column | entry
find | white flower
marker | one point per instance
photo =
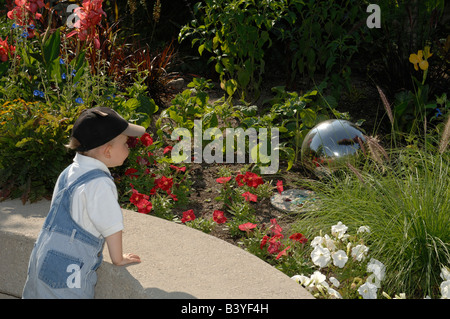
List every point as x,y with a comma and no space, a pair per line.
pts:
317,278
338,230
374,280
316,241
339,258
445,273
368,291
363,229
334,282
302,280
320,256
401,295
445,289
324,241
377,268
359,252
328,242
334,294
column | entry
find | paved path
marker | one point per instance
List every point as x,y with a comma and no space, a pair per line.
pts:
177,261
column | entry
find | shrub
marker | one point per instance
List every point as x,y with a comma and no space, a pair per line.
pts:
32,152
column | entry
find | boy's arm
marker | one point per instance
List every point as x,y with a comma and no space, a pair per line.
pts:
114,243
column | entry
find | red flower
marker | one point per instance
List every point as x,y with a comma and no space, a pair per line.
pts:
283,252
239,179
167,149
218,217
274,244
164,183
132,141
275,228
223,180
144,206
136,197
250,197
264,241
253,179
146,139
247,227
174,197
131,172
280,186
188,216
298,237
6,50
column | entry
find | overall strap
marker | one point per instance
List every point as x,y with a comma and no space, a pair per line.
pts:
86,177
63,198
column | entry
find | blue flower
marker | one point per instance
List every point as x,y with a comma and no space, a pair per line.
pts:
438,113
31,27
74,72
38,93
61,61
79,100
63,76
24,34
14,26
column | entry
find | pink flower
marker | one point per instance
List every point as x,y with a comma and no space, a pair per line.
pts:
89,14
25,12
188,216
218,217
250,197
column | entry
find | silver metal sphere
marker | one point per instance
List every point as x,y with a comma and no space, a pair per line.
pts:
330,145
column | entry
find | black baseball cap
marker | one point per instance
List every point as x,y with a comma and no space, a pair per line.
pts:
99,125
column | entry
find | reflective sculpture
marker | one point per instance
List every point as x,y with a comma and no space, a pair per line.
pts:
330,145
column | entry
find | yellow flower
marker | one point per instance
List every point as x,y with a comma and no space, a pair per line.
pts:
420,59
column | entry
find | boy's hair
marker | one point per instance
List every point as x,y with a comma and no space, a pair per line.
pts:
73,145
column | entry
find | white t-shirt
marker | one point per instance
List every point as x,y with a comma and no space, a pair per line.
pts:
94,206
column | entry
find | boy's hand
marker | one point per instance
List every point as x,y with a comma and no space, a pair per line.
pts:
128,259
114,243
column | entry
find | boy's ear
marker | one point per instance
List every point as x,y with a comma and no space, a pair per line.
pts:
107,151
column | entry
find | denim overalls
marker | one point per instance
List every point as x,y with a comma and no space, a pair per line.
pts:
65,257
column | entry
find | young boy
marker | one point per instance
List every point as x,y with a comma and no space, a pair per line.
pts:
84,211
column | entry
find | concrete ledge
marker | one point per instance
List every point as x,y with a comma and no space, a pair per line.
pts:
177,261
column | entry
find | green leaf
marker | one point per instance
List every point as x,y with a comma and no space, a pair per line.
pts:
51,47
244,77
